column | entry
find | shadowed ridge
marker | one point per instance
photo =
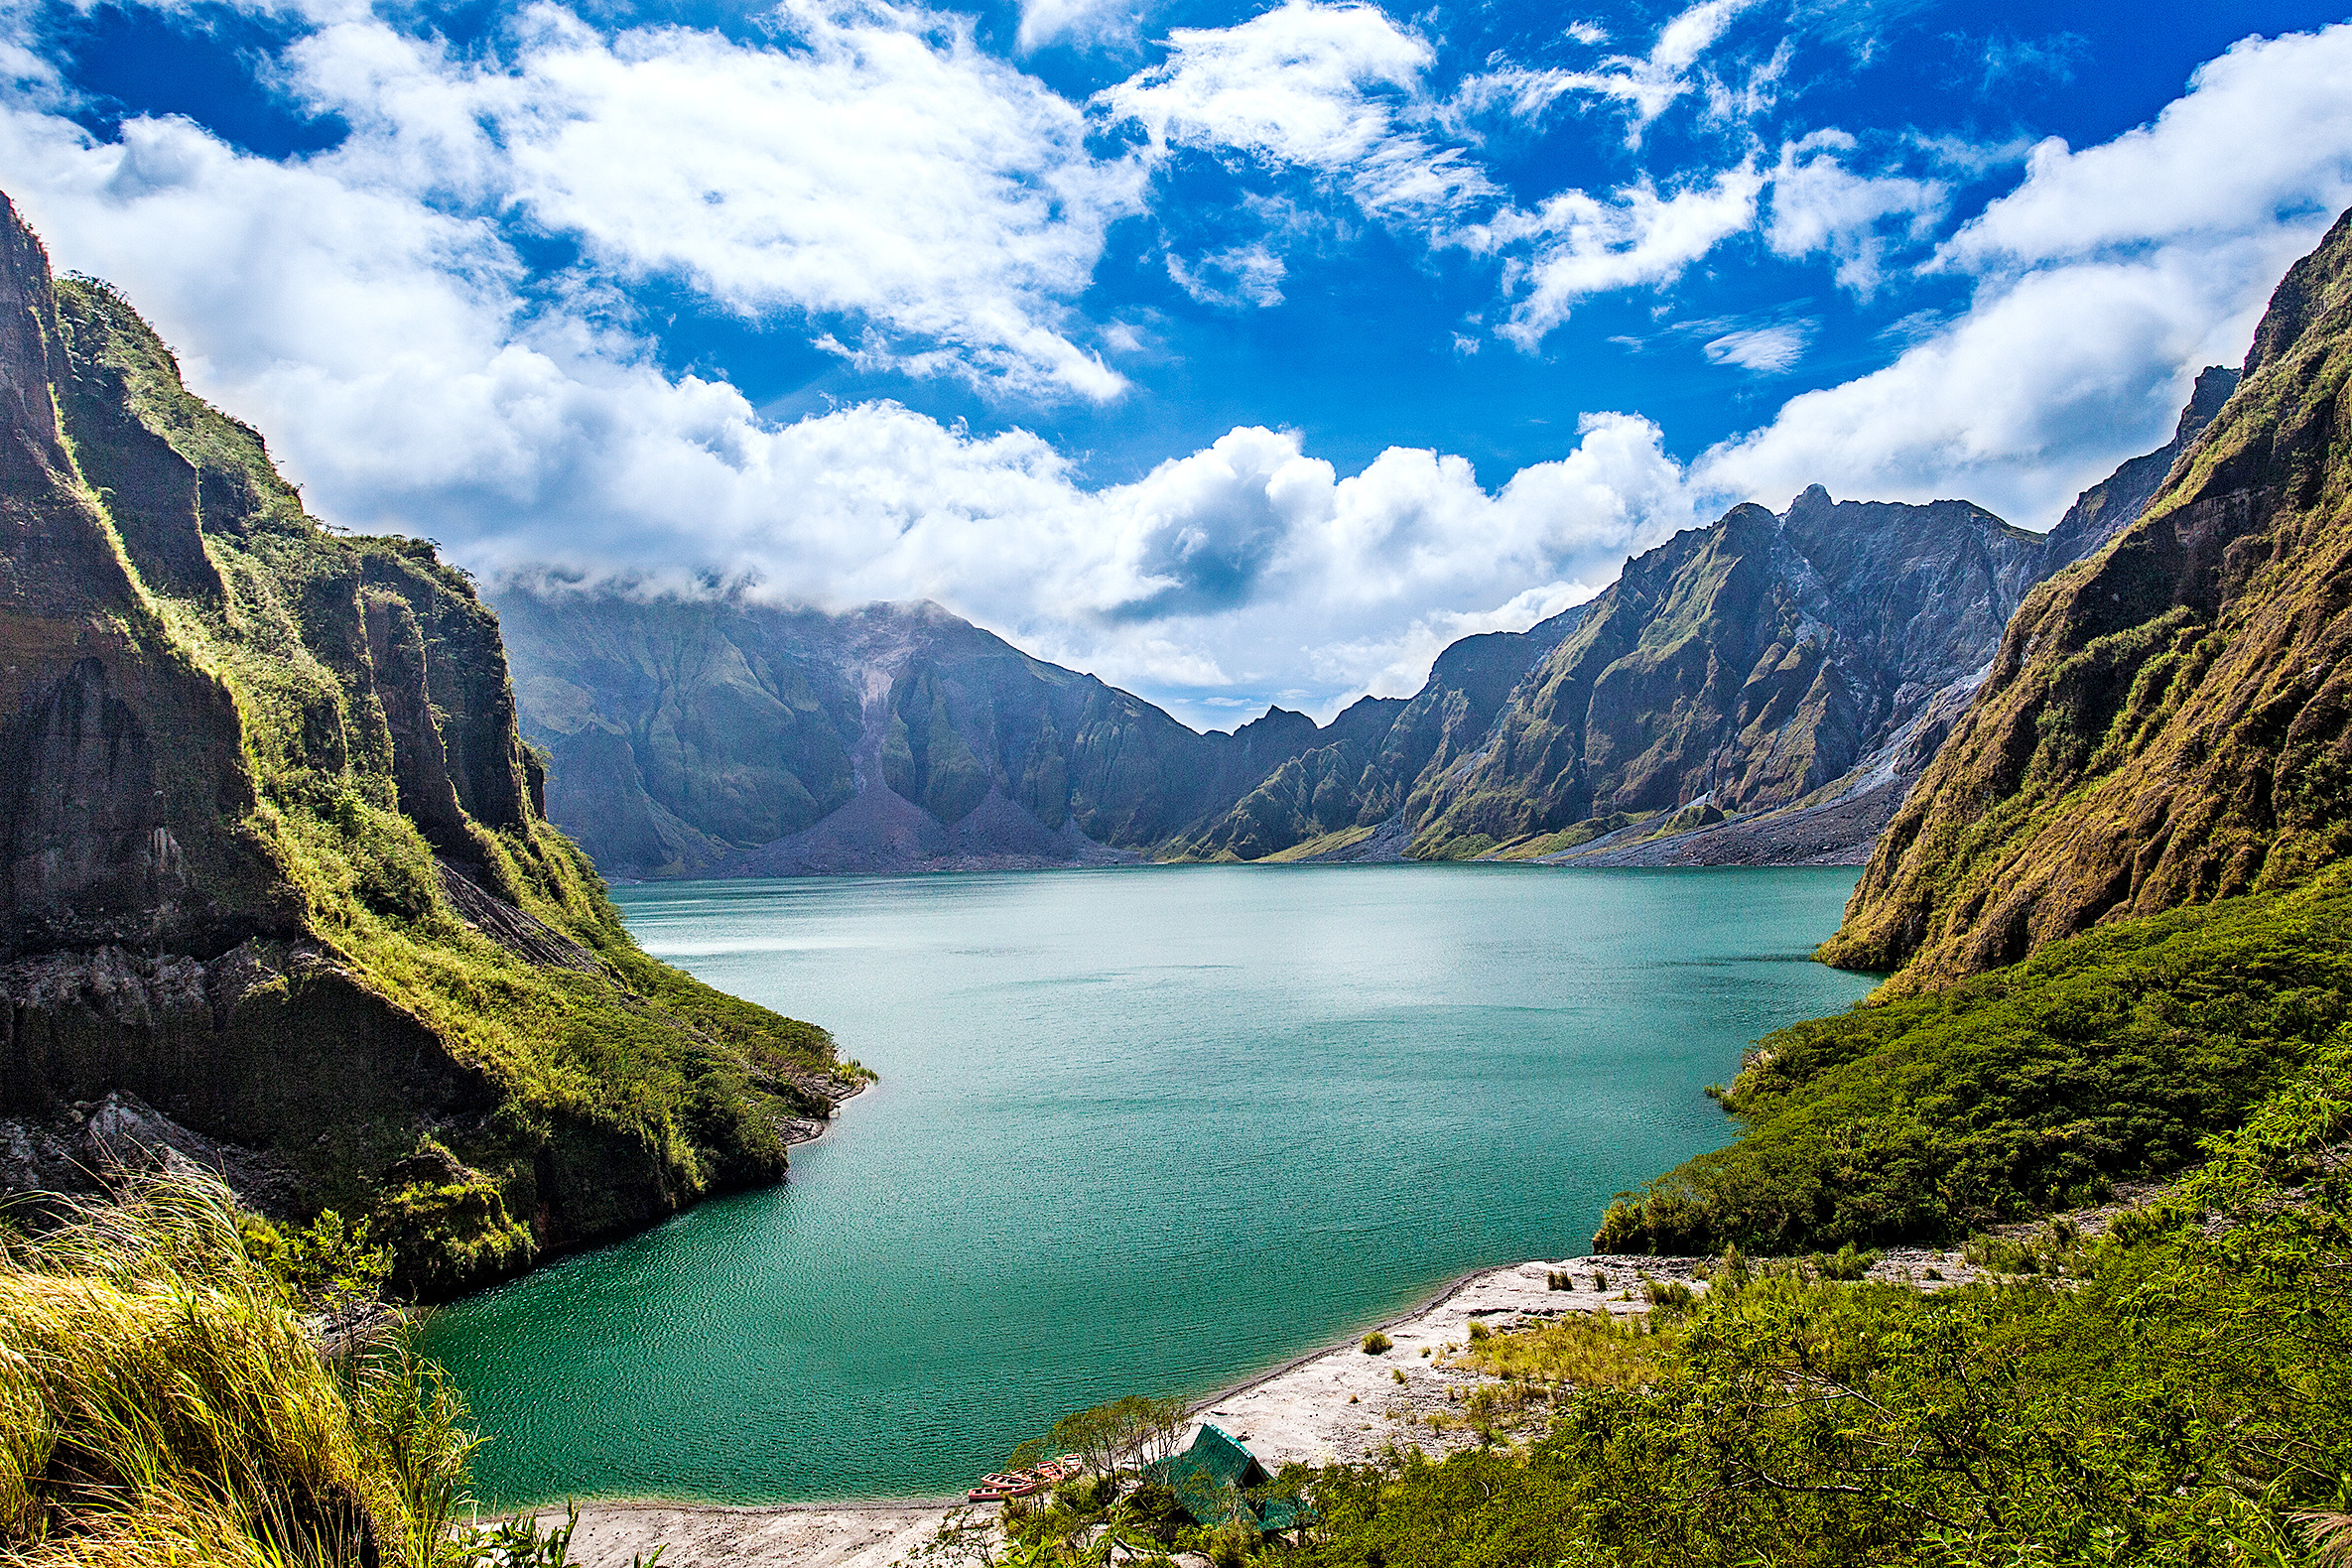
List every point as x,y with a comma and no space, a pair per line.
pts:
2170,721
272,862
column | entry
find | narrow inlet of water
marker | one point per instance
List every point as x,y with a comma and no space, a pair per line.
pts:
1142,1131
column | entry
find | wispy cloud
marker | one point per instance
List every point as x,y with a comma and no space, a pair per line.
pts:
1585,245
1767,351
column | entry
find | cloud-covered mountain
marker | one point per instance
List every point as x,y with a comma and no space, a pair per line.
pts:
1793,672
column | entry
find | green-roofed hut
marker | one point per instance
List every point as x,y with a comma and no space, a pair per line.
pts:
1208,1477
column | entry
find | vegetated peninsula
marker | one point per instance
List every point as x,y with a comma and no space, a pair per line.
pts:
279,892
1763,691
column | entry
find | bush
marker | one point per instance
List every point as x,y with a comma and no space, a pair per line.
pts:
2106,1056
1376,1344
160,1403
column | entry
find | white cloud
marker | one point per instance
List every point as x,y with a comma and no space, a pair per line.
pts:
1308,84
2105,279
1586,245
1240,275
1399,664
1645,85
408,382
1077,22
1819,205
1767,351
877,170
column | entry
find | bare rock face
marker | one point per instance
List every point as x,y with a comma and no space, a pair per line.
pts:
2115,502
2168,720
1746,666
722,735
274,885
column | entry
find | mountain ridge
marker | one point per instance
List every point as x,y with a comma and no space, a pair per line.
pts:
2166,721
1791,673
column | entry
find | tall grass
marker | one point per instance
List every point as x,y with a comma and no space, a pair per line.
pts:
162,1403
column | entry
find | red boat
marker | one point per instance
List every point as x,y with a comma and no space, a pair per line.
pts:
998,1488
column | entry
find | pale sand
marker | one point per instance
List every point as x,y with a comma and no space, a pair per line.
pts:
1300,1412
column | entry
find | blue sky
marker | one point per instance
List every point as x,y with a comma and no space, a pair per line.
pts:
1237,353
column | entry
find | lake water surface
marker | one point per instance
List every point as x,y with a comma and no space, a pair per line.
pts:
1142,1131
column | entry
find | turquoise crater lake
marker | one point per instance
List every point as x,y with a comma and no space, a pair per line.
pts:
1144,1131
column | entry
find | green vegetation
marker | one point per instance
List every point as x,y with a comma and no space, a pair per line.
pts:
1376,1344
164,1405
479,1083
165,1402
2102,1058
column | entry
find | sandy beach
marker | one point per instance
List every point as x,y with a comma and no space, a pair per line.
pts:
1337,1404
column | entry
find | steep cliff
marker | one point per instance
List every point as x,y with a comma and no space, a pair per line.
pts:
720,734
272,857
1738,668
2170,721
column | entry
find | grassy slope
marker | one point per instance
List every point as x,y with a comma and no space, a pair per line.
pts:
2109,1055
160,1403
2167,721
637,1057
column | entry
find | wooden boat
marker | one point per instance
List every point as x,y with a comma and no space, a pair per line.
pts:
998,1488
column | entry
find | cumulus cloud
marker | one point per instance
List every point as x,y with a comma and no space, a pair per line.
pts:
409,381
2103,281
1311,86
928,209
873,172
1585,245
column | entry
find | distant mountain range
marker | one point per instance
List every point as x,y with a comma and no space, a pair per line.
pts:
1760,691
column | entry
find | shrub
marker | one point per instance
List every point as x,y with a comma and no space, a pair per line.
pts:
1376,1344
160,1402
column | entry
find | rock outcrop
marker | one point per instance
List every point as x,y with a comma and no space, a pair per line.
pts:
724,735
272,865
2170,719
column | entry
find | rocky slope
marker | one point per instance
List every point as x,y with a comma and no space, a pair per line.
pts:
1765,691
274,877
2169,720
1738,668
724,735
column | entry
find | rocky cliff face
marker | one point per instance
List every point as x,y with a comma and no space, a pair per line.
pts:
2169,720
272,865
1738,668
2115,502
722,735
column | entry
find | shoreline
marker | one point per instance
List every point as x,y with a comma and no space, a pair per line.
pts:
1332,1404
1328,1403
